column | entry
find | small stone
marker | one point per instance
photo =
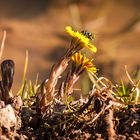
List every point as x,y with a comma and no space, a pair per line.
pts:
7,117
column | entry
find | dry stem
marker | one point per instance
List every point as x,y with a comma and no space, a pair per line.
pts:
110,125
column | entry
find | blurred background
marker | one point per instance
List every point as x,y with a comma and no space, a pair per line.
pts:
39,26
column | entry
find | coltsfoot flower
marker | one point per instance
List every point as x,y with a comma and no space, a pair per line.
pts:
80,40
81,63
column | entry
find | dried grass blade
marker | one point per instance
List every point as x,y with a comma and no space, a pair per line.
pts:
2,44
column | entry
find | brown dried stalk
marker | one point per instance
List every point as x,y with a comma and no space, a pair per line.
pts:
110,125
50,85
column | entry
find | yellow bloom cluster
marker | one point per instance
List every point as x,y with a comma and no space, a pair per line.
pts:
82,40
83,62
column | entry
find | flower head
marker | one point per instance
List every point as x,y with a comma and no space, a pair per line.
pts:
82,63
81,40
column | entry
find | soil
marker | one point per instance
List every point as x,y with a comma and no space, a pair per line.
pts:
94,119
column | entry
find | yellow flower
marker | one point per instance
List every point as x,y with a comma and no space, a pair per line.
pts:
81,40
83,63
